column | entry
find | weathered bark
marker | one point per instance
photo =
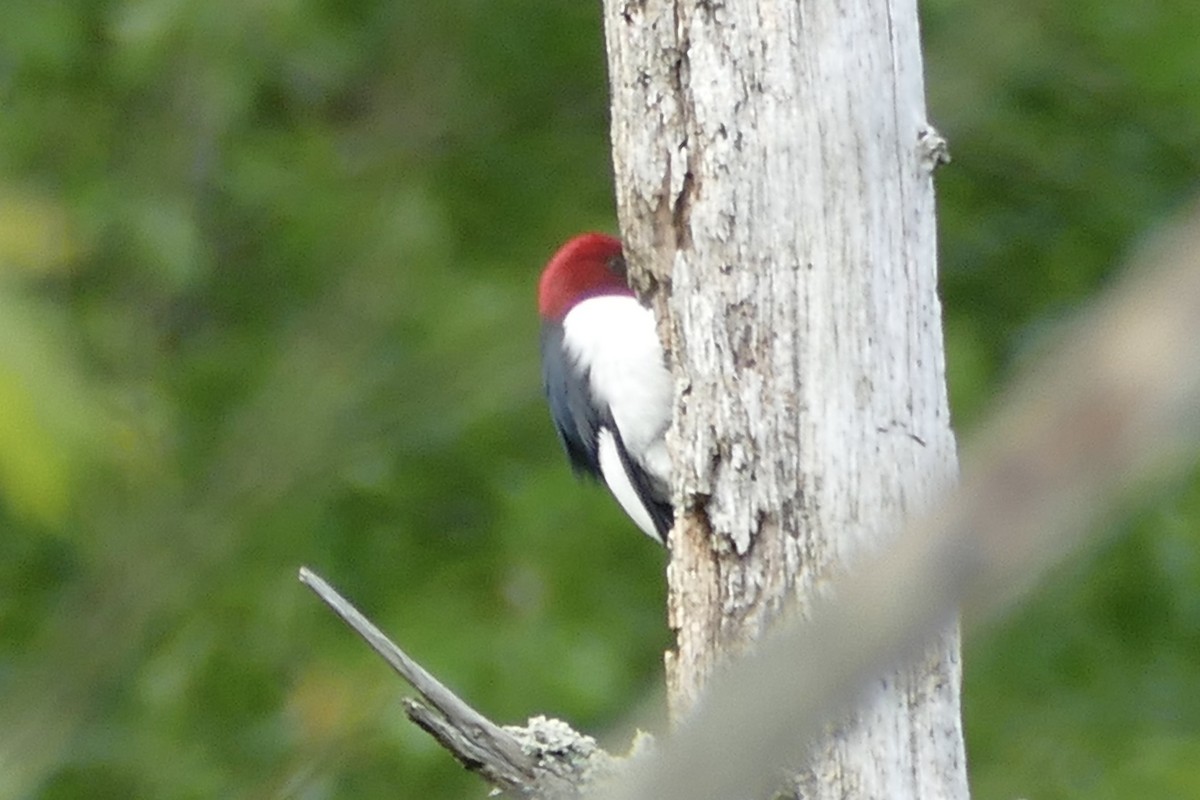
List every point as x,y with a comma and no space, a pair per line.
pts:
773,167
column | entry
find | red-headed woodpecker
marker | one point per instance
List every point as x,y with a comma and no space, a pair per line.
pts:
606,379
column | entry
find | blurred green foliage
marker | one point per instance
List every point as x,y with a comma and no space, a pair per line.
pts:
266,277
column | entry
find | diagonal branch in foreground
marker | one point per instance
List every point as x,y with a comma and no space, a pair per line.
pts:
1114,408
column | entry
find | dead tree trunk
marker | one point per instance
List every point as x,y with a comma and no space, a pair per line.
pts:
773,168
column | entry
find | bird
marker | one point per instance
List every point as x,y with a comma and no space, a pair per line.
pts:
606,378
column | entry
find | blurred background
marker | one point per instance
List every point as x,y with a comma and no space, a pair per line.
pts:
266,299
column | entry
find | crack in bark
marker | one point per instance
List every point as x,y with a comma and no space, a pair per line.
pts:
681,215
681,209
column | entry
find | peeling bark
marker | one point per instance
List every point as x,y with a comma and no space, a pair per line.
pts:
773,167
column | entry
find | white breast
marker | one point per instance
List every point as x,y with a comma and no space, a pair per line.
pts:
614,339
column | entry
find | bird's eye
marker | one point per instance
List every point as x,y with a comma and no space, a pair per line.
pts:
616,265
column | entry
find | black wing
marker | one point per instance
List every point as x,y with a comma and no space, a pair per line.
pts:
574,413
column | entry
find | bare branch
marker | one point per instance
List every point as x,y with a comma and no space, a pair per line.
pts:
479,744
460,745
